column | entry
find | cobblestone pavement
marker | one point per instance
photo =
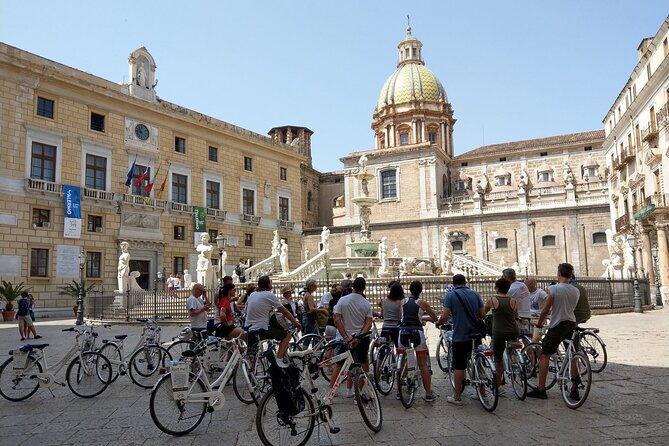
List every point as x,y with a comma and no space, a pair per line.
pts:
628,404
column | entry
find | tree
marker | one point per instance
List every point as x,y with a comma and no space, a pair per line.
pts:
11,292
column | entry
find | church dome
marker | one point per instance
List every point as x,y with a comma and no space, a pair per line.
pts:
410,82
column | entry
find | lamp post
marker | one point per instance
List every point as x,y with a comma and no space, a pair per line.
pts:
220,242
82,286
159,278
658,295
631,241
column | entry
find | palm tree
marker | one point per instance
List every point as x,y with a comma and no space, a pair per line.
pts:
11,292
73,289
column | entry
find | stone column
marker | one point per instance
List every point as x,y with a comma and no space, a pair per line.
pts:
422,130
646,264
444,136
392,135
386,141
414,130
663,256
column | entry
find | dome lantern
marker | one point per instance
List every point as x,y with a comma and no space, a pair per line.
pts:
410,49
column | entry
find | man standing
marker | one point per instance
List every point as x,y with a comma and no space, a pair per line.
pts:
259,306
352,315
582,311
240,270
347,284
519,292
560,303
198,306
465,307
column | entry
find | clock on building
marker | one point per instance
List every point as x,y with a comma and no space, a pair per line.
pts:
142,132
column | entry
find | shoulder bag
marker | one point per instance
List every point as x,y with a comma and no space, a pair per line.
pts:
478,322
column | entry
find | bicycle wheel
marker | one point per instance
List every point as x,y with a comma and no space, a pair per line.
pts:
405,385
594,349
278,429
176,417
327,353
368,400
442,355
575,381
177,348
244,383
18,385
517,374
112,352
384,374
88,375
485,382
145,364
311,340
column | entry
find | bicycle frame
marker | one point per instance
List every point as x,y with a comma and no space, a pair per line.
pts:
49,373
332,392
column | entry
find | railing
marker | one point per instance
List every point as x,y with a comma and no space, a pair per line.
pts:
649,134
497,196
492,266
144,201
44,186
473,268
622,222
663,115
181,207
308,269
264,268
251,219
457,199
216,213
591,185
593,199
285,224
98,194
552,190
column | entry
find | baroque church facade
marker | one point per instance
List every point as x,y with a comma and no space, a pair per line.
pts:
530,204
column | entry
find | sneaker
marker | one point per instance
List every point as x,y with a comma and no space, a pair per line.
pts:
38,337
574,395
23,339
350,393
281,363
536,393
430,398
452,400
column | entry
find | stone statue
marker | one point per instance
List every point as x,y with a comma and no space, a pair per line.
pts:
524,179
383,253
365,213
365,187
446,252
132,279
188,279
482,184
141,78
306,254
283,257
325,238
221,266
516,267
362,162
123,268
502,263
629,257
395,252
267,189
525,262
568,175
616,247
276,244
205,269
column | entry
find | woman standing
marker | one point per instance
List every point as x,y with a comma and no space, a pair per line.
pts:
310,308
504,325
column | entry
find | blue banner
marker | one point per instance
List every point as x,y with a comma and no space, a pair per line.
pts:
72,201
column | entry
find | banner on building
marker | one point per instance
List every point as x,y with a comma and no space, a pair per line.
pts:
200,225
72,198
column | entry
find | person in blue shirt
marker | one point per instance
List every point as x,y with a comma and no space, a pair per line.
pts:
463,305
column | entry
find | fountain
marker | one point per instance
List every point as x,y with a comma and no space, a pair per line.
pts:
364,247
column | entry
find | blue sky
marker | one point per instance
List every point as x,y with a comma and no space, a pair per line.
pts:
512,69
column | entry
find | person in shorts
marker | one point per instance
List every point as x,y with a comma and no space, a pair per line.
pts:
560,303
259,306
352,315
26,325
198,306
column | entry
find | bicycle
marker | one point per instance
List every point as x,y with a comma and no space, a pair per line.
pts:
480,373
567,366
443,352
513,368
594,348
409,377
384,365
27,370
180,398
277,428
145,359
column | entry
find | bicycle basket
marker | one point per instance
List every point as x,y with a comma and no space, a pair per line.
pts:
179,372
20,359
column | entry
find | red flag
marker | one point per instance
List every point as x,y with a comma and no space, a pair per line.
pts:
141,179
162,186
149,186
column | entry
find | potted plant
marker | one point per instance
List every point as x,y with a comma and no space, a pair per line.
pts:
10,292
73,289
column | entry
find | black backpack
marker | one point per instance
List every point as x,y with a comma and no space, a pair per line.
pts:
238,271
286,386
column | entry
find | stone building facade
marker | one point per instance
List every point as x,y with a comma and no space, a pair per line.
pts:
63,127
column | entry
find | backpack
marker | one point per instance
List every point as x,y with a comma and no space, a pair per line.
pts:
288,393
238,271
24,307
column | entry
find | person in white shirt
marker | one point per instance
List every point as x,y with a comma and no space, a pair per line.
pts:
537,296
198,306
521,294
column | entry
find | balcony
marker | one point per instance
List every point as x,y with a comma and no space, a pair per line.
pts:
181,207
96,194
285,224
137,200
649,134
622,223
217,214
251,219
662,116
627,155
43,186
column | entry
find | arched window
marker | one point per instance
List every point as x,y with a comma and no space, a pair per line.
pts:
309,200
501,243
598,238
457,245
548,240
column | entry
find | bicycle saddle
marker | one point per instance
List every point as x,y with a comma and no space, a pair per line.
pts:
120,337
192,353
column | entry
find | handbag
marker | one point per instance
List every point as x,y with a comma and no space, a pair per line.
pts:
478,322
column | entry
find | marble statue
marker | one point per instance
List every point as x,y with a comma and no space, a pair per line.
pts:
362,162
525,262
205,269
123,269
221,266
516,267
142,79
306,254
482,184
568,175
283,257
188,279
325,238
524,179
446,253
502,263
132,279
365,213
365,187
383,256
395,252
628,258
276,244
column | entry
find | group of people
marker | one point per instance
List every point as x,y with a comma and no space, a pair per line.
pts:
25,314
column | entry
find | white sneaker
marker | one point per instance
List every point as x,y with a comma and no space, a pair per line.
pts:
350,393
452,400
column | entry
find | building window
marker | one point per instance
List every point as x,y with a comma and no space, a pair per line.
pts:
139,188
248,164
39,262
213,194
283,173
501,243
665,47
179,232
457,245
96,172
548,240
41,218
213,154
94,223
545,177
591,172
248,201
309,205
543,154
587,149
43,162
284,209
465,164
599,238
248,239
178,265
213,233
432,137
93,262
388,184
97,122
179,144
503,181
179,188
45,107
502,159
404,139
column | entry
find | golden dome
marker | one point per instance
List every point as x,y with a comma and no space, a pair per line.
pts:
411,82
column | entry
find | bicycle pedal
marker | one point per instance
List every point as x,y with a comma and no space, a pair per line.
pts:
334,430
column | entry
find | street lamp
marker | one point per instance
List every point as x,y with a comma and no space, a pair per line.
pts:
159,278
220,242
82,285
658,294
631,241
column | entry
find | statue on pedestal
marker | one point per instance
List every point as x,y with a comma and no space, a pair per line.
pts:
395,252
123,269
383,251
276,244
446,252
188,279
325,238
205,269
283,257
362,162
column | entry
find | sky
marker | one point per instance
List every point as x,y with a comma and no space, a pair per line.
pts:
512,70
